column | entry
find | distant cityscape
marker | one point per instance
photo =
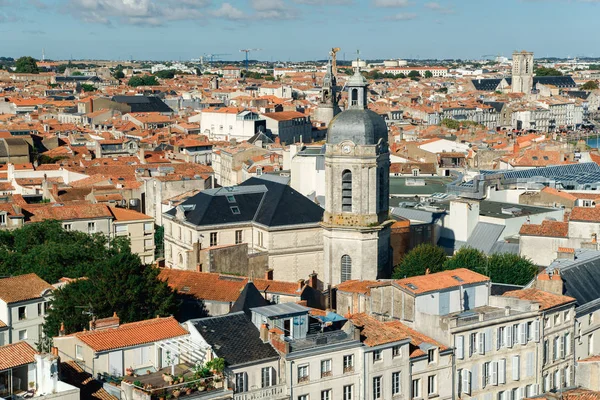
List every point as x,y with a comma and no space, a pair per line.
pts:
334,229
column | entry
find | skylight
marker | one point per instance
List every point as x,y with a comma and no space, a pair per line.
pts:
458,278
230,198
411,286
235,210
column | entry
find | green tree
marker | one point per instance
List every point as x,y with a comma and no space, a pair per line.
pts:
543,71
414,74
590,85
119,74
450,123
159,241
121,284
511,269
467,257
77,73
88,87
165,74
418,260
428,74
27,65
143,80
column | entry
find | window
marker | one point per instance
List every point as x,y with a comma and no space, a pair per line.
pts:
260,239
235,210
354,97
148,243
326,394
396,383
377,387
591,319
241,384
230,198
348,392
238,237
472,344
78,352
546,353
567,345
325,368
431,385
556,319
148,226
22,313
416,388
303,373
348,363
377,355
67,227
346,268
267,377
91,227
567,316
2,219
303,397
40,309
590,344
258,171
381,186
23,334
346,191
396,351
213,239
431,355
120,228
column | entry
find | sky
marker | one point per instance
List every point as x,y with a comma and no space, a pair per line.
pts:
296,30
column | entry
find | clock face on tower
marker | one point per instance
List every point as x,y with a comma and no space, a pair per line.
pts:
346,149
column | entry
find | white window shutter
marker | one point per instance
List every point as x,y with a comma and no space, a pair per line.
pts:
474,378
468,382
516,367
561,343
481,343
488,340
523,333
536,389
460,347
536,330
521,393
509,336
494,379
529,364
502,371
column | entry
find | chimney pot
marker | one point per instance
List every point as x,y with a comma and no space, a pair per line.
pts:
264,333
300,284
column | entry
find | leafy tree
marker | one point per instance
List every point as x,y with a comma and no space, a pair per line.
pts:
428,74
543,71
159,236
165,74
511,269
27,65
88,87
414,74
144,80
590,85
418,260
119,74
77,73
467,257
450,123
121,284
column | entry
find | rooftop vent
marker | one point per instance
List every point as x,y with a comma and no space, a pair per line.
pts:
411,286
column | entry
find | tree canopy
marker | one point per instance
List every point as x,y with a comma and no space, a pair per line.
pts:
143,80
501,268
113,279
418,260
428,74
165,74
590,85
87,87
543,71
26,65
414,74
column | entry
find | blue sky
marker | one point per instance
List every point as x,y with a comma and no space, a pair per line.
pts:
296,29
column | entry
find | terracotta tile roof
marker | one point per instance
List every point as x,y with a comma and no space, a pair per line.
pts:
68,212
217,287
416,338
74,375
546,300
22,287
547,228
375,333
440,280
285,115
132,334
573,394
585,214
559,193
360,287
566,250
123,214
15,355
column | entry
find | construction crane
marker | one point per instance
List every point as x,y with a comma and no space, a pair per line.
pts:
247,51
333,54
211,57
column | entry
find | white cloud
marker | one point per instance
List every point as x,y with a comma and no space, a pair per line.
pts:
437,7
323,2
228,11
402,17
391,3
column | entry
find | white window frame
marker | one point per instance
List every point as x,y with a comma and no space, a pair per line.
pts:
396,383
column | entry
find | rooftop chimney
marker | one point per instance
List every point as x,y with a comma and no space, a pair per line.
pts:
105,323
300,284
565,253
61,331
264,333
312,280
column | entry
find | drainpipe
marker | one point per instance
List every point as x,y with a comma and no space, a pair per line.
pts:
454,386
365,375
291,385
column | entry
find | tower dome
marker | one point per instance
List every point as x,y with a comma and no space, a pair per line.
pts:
358,124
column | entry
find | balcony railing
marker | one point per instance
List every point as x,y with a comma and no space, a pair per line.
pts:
319,339
272,392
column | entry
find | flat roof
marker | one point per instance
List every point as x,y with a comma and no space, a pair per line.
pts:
279,310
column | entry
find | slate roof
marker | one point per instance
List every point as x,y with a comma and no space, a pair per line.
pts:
484,236
143,103
257,200
249,298
490,84
234,338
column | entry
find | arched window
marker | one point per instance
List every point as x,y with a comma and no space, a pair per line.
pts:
346,268
382,193
346,191
354,97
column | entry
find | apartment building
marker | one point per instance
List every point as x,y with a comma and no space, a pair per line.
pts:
24,302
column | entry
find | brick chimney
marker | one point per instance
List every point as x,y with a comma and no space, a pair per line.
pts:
61,331
269,275
565,253
549,282
55,191
300,284
312,280
264,333
105,323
